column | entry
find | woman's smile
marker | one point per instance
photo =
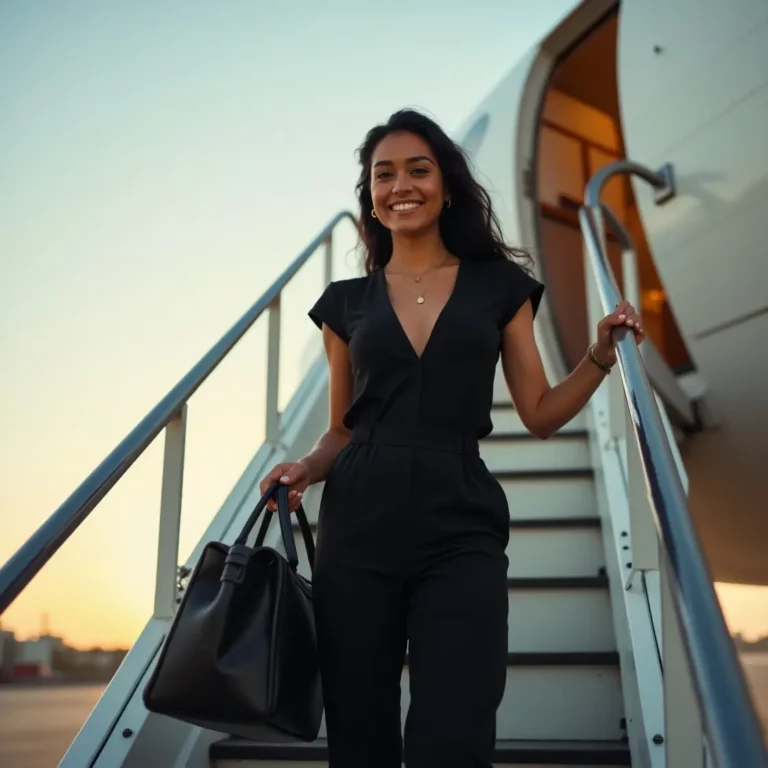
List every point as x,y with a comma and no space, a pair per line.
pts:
405,207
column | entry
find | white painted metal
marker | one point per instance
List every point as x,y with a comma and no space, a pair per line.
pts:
170,516
631,288
555,552
631,607
685,736
701,103
560,620
645,542
561,452
100,726
273,374
561,703
328,260
556,703
507,421
544,497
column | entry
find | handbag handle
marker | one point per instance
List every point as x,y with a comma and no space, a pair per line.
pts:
286,529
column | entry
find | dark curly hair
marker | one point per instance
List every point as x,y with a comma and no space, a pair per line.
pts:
469,228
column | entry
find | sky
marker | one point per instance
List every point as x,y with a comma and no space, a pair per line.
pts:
160,164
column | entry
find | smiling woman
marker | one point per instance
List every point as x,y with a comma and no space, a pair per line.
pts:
413,527
410,159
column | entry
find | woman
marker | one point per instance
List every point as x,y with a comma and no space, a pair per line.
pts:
413,527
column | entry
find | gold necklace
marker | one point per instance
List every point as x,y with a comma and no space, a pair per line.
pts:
420,299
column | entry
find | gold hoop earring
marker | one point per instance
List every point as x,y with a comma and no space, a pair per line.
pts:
373,213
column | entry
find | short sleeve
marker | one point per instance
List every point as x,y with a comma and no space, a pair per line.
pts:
520,286
330,309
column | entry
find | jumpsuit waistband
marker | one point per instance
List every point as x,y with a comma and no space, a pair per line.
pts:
416,436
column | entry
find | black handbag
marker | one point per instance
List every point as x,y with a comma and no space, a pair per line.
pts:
241,653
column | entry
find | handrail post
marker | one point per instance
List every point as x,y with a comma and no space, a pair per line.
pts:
684,732
616,420
273,373
170,515
328,259
643,537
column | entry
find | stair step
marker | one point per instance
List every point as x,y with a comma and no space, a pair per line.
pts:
505,451
506,419
546,551
232,752
549,494
521,523
542,492
544,473
555,522
560,615
540,549
559,582
558,658
562,658
503,435
563,695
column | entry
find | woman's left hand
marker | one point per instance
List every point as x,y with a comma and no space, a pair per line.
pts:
624,314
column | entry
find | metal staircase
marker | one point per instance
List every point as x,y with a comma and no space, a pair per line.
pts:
563,700
618,651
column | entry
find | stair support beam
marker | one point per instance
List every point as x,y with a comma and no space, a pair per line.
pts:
273,374
166,581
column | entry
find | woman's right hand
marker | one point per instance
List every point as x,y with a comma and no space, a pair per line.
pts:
293,474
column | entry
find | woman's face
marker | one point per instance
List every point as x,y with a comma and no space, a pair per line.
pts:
406,184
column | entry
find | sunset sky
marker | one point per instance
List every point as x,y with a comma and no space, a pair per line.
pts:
161,163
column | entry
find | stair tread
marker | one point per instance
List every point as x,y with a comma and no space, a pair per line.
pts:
507,750
591,521
544,473
502,435
558,658
558,582
564,658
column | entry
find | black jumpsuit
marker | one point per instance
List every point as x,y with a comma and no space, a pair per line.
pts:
413,528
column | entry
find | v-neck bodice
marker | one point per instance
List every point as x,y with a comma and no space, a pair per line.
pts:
383,281
450,385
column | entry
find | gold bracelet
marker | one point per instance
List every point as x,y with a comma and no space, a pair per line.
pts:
597,361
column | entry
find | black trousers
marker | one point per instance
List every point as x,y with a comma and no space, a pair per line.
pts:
410,556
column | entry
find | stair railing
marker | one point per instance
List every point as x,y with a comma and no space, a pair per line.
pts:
660,375
698,655
169,414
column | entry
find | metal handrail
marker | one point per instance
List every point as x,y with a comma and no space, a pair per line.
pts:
30,558
731,721
660,375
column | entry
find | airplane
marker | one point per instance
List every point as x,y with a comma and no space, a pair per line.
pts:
628,150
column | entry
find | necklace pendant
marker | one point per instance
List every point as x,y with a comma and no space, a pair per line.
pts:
420,300
417,279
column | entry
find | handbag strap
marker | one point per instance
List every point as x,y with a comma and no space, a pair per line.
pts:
286,529
254,516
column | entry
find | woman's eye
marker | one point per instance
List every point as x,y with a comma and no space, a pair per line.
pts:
420,171
383,174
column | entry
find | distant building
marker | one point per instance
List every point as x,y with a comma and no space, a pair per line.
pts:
48,658
8,651
35,658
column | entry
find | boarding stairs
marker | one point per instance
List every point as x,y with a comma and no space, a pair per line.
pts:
617,651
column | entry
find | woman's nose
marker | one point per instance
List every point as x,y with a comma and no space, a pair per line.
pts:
402,183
